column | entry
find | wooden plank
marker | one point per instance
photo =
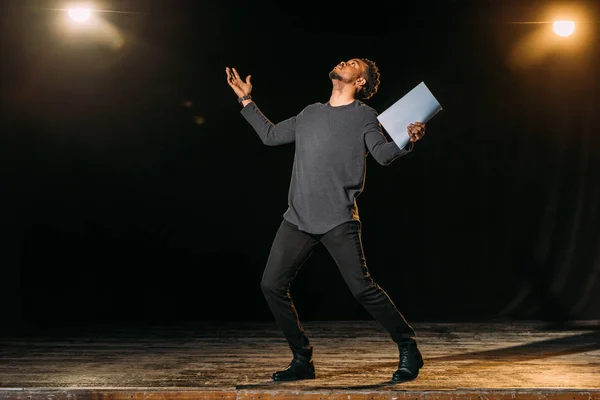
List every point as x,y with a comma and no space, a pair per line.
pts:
350,357
150,394
103,394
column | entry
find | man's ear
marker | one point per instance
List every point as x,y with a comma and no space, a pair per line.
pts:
361,81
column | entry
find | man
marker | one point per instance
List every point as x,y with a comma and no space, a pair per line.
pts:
332,141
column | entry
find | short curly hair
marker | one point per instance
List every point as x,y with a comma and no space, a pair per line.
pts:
372,77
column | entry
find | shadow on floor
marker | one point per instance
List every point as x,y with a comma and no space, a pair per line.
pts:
567,345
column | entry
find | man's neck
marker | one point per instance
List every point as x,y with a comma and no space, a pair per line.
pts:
341,95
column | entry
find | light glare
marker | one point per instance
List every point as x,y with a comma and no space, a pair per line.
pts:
564,28
79,15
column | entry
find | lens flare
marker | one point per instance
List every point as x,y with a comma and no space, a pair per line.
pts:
564,28
80,15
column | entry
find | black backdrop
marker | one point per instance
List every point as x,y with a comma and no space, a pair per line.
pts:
132,189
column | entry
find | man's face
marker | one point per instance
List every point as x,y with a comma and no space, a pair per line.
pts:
348,71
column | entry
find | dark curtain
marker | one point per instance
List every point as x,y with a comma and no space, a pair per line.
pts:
132,189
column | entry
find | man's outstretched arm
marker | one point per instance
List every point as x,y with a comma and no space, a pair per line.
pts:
271,134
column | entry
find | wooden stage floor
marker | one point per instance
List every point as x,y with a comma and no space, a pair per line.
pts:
353,359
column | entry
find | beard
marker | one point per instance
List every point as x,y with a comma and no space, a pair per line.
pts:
334,75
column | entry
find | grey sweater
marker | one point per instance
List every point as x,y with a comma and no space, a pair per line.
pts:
331,145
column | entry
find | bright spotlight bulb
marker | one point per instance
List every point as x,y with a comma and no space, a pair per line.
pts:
80,15
564,28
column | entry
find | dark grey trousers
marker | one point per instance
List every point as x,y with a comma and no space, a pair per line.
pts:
290,250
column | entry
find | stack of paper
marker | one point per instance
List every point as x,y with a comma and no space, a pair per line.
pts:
418,105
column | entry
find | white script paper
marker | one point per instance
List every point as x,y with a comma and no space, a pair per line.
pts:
418,105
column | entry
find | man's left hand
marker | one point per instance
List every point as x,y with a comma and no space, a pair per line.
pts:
416,131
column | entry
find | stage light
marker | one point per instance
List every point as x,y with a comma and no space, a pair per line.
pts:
564,28
80,15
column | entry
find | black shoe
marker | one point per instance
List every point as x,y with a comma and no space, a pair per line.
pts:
301,367
410,363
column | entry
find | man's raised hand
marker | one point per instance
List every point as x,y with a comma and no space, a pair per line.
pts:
240,87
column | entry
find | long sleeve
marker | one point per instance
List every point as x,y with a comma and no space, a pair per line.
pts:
383,152
271,134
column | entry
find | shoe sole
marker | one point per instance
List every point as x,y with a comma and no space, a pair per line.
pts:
313,376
